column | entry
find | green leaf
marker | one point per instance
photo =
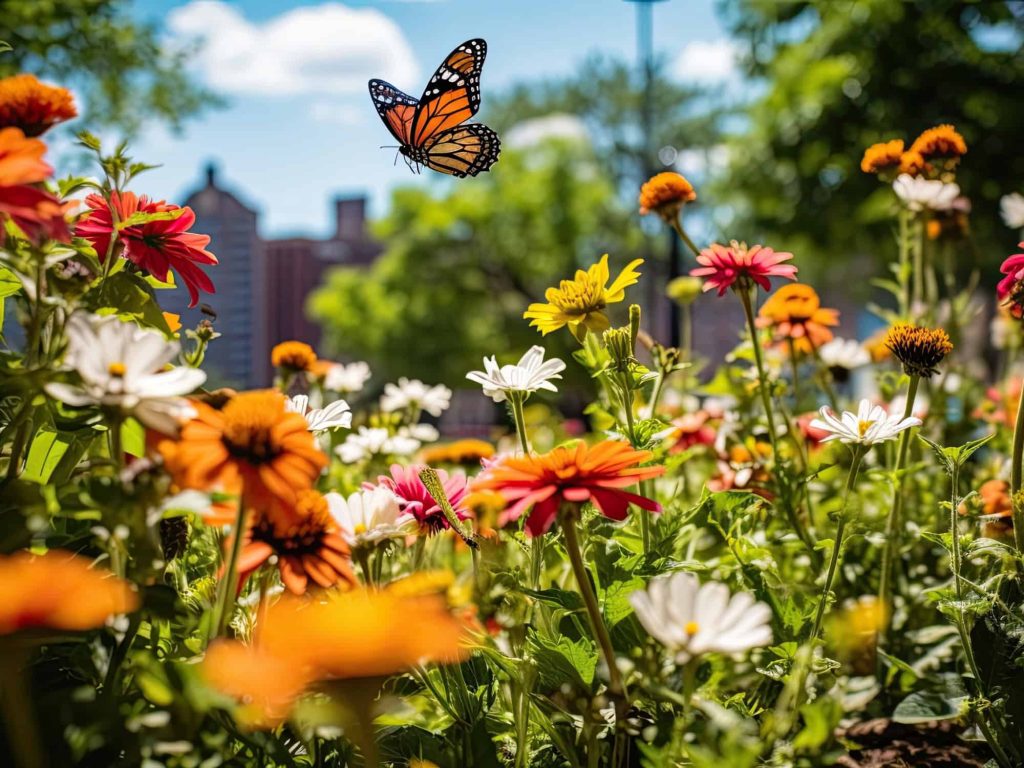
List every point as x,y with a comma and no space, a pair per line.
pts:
616,605
923,706
130,297
564,660
133,438
45,452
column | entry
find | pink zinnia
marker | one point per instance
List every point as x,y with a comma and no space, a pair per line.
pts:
156,246
1009,291
723,265
415,499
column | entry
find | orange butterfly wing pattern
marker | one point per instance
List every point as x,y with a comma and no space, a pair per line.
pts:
431,131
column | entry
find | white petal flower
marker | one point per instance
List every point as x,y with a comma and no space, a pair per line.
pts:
347,379
844,353
918,194
370,516
1011,207
122,366
691,619
531,373
869,426
370,442
413,393
336,415
424,433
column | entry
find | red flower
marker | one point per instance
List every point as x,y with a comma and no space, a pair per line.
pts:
1010,290
36,212
724,265
692,429
415,499
157,245
570,474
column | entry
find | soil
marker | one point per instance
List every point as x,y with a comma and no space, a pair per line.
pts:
882,743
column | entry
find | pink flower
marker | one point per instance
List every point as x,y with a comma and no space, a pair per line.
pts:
724,265
415,500
692,429
1010,290
156,246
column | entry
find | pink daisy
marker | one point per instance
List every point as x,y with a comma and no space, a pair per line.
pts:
722,266
1009,290
415,500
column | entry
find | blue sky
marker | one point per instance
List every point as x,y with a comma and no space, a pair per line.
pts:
299,127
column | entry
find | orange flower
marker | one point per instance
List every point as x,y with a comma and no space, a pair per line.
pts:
919,349
942,141
913,162
318,370
306,542
468,451
35,211
294,355
881,157
666,194
252,440
173,321
570,474
58,590
33,106
794,312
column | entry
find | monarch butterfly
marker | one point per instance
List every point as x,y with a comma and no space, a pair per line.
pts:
431,131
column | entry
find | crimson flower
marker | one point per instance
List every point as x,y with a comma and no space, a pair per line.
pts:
1010,290
573,474
724,265
156,246
415,499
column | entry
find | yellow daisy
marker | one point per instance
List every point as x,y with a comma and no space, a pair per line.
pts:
580,303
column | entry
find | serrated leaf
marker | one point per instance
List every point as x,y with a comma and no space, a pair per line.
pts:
564,660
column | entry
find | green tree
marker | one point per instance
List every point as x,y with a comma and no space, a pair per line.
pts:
122,70
840,76
464,260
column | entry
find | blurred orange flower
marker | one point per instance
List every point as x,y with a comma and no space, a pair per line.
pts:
665,194
33,106
36,212
58,590
252,441
881,157
468,451
294,355
794,312
942,141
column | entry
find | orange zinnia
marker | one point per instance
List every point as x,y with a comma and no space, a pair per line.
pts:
296,355
665,194
941,141
36,212
58,590
794,312
306,542
33,106
252,440
571,475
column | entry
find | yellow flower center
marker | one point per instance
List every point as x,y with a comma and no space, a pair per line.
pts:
864,426
249,421
578,297
359,528
117,369
692,627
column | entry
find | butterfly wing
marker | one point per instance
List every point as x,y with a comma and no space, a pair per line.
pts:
396,109
452,95
465,150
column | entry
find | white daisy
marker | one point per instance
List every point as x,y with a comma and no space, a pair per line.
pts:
691,619
413,393
531,373
370,516
918,194
336,415
347,379
122,366
1011,207
847,354
424,433
869,426
370,442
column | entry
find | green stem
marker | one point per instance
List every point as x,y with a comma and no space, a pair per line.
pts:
905,267
1016,469
516,401
762,378
677,225
837,547
229,585
686,331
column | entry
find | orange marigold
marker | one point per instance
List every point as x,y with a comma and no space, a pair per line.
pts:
941,141
913,163
572,474
883,156
58,590
253,441
794,312
665,194
295,355
32,106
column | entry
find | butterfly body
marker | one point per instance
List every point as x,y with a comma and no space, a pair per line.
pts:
432,130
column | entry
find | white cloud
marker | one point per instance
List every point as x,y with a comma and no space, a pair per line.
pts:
321,49
556,126
707,61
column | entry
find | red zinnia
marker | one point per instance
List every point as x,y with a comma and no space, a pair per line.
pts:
36,212
572,474
723,265
157,245
415,499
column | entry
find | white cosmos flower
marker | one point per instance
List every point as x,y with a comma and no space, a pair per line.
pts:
424,433
122,366
844,353
1011,207
336,415
413,393
347,379
691,619
375,441
531,373
918,194
868,426
370,516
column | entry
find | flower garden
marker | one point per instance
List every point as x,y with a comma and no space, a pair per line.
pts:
747,566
